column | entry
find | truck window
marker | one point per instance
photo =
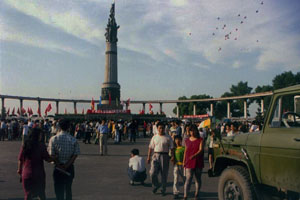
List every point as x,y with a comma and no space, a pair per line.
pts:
286,113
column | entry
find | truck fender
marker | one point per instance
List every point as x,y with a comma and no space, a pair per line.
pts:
224,161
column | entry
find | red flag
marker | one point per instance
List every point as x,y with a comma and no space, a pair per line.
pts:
18,111
83,111
13,111
65,111
75,111
31,112
8,111
28,111
23,111
109,98
48,109
150,107
93,104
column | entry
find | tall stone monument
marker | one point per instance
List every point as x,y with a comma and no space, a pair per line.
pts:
110,93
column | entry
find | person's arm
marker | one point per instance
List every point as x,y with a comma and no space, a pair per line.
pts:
20,167
149,155
184,156
70,162
173,155
20,161
199,151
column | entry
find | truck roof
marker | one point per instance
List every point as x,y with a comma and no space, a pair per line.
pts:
287,89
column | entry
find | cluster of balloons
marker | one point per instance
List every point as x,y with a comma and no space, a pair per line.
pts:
231,33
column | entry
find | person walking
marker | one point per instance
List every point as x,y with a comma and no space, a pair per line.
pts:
31,165
132,128
64,148
103,130
160,144
210,142
193,161
178,165
2,129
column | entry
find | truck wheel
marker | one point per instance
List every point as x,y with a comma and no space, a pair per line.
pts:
235,184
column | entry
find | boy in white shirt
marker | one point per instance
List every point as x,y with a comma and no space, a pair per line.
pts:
136,170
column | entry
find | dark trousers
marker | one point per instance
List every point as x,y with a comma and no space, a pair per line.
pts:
132,136
63,183
136,176
2,134
87,137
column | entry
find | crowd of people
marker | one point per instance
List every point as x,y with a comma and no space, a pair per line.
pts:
181,143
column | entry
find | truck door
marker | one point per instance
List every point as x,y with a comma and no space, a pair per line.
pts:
280,145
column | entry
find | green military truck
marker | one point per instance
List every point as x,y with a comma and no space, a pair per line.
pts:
264,164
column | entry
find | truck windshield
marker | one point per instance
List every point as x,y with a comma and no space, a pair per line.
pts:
287,112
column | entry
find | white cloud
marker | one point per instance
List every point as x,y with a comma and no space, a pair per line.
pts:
236,64
11,35
70,21
178,2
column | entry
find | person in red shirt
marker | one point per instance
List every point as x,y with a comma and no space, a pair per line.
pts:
193,161
31,165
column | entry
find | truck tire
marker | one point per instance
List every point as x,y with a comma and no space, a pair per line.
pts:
235,184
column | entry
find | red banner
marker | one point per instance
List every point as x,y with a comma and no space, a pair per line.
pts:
89,111
195,116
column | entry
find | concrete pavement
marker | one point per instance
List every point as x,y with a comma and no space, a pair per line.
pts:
96,177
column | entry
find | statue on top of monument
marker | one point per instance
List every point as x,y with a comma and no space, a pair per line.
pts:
112,27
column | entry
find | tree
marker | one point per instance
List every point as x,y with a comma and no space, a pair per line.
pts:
267,99
188,108
183,107
236,106
286,79
283,80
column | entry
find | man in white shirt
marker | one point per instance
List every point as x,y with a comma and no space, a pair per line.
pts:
136,170
155,131
160,144
25,131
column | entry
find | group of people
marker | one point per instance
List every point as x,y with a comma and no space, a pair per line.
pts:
63,150
181,144
185,149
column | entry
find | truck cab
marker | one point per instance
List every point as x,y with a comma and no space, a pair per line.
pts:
270,158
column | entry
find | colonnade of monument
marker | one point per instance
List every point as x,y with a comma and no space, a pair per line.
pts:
160,102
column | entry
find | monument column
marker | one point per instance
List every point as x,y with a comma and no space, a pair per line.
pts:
110,93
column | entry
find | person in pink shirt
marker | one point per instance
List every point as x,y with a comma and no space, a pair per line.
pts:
31,165
193,161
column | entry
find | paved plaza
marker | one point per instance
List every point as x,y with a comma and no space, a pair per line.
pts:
96,177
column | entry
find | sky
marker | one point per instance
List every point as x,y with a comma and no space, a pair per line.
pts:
166,48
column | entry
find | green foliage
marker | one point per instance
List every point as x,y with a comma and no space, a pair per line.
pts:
267,100
282,80
237,106
188,108
286,79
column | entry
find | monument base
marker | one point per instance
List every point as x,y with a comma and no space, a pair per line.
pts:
113,106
